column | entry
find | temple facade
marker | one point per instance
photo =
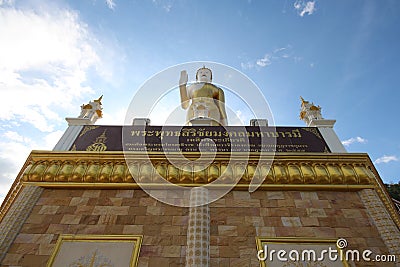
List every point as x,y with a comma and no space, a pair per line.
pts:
125,196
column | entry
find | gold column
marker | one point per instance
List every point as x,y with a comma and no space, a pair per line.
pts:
16,216
198,235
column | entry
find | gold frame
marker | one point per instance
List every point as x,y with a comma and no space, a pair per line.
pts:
288,240
137,239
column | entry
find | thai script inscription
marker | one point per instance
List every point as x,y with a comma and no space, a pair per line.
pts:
204,138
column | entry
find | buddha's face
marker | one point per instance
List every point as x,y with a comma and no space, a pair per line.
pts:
204,75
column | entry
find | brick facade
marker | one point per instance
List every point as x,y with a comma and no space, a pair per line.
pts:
235,221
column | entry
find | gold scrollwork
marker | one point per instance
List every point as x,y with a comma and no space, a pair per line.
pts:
88,128
313,131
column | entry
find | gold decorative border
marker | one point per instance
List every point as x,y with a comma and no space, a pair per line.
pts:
283,169
88,128
137,239
289,171
269,187
314,131
298,240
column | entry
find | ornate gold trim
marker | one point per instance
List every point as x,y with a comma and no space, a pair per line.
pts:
269,187
312,130
298,169
88,128
289,171
137,239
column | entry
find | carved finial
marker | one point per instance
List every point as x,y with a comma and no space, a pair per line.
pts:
309,112
92,110
90,113
99,100
303,102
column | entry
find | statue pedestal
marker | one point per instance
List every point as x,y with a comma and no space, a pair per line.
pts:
322,123
201,122
79,121
141,122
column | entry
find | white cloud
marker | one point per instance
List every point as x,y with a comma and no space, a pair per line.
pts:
280,49
265,61
44,59
14,149
247,65
354,140
12,157
111,4
386,159
269,58
51,139
165,4
304,7
117,117
6,2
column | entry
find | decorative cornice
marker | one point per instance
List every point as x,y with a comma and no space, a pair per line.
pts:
289,171
111,167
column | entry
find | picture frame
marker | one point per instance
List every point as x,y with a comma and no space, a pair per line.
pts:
96,251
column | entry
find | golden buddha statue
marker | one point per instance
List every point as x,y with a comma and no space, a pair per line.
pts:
203,99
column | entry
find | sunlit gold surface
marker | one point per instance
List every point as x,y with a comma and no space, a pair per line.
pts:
289,171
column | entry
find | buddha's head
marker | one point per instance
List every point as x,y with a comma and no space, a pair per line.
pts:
204,75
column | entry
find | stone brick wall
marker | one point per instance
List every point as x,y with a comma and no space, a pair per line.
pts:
240,216
236,220
101,212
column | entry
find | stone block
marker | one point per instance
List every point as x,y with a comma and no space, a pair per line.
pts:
11,259
225,230
313,212
102,210
304,232
23,248
71,219
229,251
309,221
275,195
126,193
309,195
266,231
352,213
132,229
291,221
171,251
91,193
241,195
168,230
47,209
273,221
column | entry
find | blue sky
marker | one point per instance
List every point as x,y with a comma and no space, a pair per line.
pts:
57,55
